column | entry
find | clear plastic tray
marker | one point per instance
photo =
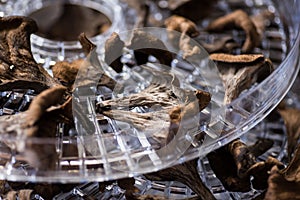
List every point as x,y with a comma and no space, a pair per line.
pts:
47,51
100,157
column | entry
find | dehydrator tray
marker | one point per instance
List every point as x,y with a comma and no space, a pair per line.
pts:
267,129
117,150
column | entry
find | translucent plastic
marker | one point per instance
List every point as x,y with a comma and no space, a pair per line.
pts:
47,51
93,157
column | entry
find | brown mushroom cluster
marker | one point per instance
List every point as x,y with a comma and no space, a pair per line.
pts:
52,101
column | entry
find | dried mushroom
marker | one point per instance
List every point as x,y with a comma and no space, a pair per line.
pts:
239,72
291,117
41,105
154,94
189,50
165,120
260,172
284,184
164,91
188,29
171,100
45,112
238,19
66,72
113,52
28,123
241,164
292,171
87,45
21,194
185,173
171,112
181,24
227,173
18,68
148,44
280,188
128,184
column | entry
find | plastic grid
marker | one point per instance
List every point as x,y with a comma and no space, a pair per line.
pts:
119,149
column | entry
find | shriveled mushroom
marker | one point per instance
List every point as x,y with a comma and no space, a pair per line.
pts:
291,117
66,72
49,102
128,184
45,112
238,19
87,45
181,24
40,104
239,72
241,164
280,188
189,50
113,52
28,123
284,184
21,194
292,171
148,44
18,68
153,95
163,92
227,173
161,124
188,29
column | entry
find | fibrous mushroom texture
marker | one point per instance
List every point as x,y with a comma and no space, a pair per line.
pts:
18,68
240,72
173,102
